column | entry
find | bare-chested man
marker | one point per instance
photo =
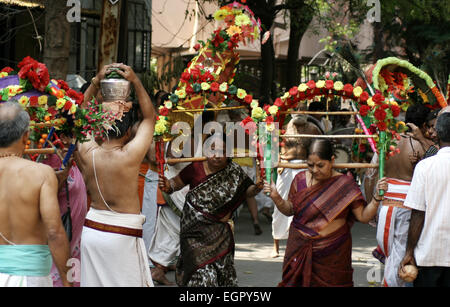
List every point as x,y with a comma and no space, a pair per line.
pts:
295,150
393,217
112,248
31,231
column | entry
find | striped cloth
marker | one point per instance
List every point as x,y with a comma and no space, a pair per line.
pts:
392,229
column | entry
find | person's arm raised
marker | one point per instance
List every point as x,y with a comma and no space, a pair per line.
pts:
51,217
93,89
144,135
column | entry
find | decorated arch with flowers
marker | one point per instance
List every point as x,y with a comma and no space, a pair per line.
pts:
396,78
377,116
207,82
53,107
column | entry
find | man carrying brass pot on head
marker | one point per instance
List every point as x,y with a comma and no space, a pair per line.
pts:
112,248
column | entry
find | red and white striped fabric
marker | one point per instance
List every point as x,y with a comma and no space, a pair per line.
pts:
392,229
397,189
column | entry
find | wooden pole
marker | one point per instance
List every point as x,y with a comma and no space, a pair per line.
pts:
320,112
358,136
336,166
45,125
281,165
44,151
211,109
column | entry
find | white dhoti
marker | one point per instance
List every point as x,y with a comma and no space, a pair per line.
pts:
165,245
281,222
25,265
392,230
113,251
25,281
149,207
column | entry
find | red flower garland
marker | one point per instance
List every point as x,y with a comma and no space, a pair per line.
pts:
364,110
380,114
35,72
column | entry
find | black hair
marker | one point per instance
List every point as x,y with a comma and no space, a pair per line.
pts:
432,115
123,125
85,86
160,97
443,127
316,106
323,148
417,114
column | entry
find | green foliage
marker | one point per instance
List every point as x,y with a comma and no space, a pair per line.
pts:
170,72
418,29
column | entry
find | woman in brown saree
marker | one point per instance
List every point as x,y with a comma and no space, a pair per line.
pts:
324,205
217,188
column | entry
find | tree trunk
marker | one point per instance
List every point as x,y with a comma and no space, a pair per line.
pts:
268,70
57,39
300,18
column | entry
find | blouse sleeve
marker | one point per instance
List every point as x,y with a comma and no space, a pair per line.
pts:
186,175
357,203
293,189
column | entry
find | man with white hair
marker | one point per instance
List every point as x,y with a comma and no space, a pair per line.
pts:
31,231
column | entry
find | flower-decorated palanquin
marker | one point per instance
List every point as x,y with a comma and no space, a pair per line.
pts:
52,105
207,82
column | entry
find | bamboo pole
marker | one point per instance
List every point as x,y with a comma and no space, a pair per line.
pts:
320,112
357,136
201,159
337,165
185,160
45,125
43,151
281,165
211,109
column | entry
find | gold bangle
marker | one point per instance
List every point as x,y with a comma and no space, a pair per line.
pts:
376,199
93,82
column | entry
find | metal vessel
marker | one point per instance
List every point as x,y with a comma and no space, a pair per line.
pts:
115,89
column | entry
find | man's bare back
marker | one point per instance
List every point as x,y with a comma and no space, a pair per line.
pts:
113,182
117,177
401,166
23,185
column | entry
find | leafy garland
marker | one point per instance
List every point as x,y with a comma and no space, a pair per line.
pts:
388,82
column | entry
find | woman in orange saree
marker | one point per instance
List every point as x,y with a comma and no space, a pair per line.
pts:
324,204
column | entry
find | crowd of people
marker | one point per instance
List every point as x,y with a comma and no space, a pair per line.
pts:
182,220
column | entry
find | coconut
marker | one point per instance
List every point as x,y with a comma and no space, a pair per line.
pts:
408,273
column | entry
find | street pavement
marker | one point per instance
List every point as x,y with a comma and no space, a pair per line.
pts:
256,268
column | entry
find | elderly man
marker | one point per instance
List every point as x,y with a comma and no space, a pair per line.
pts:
31,231
429,196
112,247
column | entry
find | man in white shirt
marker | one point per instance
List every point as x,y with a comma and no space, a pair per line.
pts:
428,245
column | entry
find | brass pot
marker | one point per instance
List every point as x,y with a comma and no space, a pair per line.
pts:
115,89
